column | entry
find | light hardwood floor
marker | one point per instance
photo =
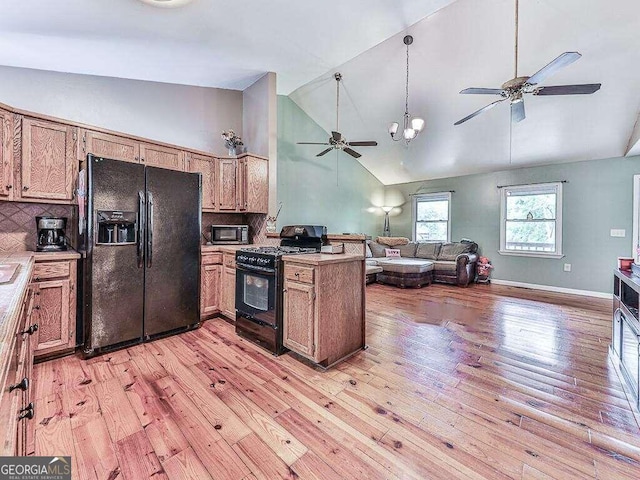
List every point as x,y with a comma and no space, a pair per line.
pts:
483,382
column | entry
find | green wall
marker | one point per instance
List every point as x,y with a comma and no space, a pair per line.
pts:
334,190
597,198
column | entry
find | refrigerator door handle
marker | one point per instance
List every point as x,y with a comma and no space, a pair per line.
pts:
149,229
141,222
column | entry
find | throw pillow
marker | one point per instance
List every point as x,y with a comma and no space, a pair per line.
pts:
392,253
450,251
392,241
376,249
428,251
408,250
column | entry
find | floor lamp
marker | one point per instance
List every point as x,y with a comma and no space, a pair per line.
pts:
387,230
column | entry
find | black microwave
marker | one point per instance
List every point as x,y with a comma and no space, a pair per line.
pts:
229,234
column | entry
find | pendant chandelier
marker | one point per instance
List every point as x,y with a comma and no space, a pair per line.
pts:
411,126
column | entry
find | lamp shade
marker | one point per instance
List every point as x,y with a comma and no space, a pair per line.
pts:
417,124
393,128
409,133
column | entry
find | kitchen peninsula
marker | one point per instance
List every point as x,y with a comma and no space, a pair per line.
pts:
323,306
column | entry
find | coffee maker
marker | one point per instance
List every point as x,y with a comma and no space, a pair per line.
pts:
51,234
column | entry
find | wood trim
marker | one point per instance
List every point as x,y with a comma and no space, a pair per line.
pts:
6,155
549,288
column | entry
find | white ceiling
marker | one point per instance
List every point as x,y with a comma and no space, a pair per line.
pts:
209,43
470,44
464,43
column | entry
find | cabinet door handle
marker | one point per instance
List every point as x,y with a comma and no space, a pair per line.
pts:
23,385
26,187
37,307
31,330
27,412
284,290
9,187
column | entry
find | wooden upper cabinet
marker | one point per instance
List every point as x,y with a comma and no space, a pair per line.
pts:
110,146
253,184
207,167
6,155
49,166
163,157
227,174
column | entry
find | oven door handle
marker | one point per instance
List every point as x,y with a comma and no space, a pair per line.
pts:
255,269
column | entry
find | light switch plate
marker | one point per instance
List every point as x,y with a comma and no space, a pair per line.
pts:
618,232
567,267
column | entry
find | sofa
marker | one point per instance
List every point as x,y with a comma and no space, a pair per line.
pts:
421,263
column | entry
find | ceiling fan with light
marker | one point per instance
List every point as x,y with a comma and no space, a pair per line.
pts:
336,140
515,89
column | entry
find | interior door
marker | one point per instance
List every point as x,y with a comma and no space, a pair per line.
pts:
172,277
114,298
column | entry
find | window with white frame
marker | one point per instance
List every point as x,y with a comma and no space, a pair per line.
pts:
432,217
531,220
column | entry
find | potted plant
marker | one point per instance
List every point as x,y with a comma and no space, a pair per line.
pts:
233,142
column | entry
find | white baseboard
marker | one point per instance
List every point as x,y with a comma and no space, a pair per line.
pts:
548,288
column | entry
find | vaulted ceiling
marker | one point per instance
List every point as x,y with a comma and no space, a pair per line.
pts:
457,44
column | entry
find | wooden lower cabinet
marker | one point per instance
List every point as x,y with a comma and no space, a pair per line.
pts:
299,317
54,284
228,300
323,306
210,290
17,409
218,285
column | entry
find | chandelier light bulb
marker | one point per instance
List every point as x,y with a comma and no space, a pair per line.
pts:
409,134
393,128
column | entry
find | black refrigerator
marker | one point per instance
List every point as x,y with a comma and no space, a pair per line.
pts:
141,248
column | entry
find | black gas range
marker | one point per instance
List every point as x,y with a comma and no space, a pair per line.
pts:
259,283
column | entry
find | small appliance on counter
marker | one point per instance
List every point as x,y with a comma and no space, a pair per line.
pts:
51,236
229,234
259,283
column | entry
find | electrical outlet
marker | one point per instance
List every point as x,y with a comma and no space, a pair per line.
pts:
567,267
618,232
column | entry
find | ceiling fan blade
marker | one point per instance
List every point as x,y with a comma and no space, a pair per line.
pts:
482,91
567,58
586,89
363,144
311,143
478,112
337,136
351,152
517,111
324,152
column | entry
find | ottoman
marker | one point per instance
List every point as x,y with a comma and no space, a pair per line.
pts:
371,273
405,272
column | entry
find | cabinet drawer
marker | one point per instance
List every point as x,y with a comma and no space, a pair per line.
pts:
211,259
299,273
42,271
230,260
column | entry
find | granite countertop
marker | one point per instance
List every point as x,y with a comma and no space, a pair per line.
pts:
323,258
12,295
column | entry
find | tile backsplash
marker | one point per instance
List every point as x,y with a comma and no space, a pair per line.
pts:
18,223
